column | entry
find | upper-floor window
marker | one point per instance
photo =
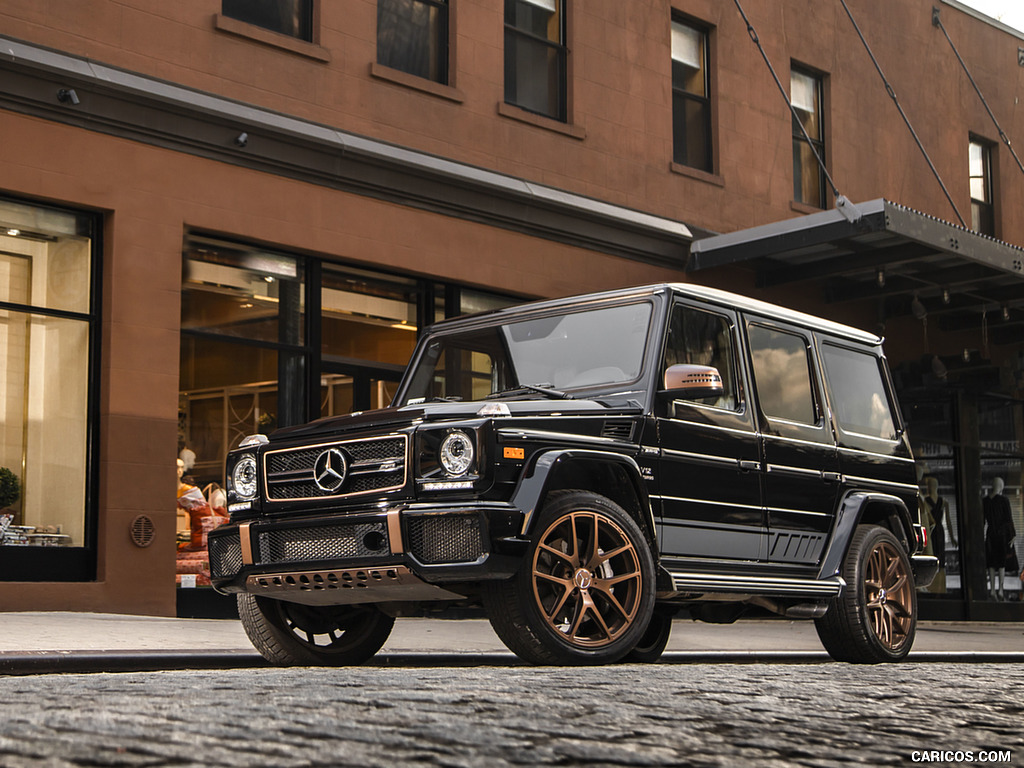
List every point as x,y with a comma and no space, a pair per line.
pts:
288,17
412,36
982,207
691,103
536,56
808,175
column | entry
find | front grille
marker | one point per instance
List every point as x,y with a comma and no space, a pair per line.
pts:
327,542
225,556
371,465
445,538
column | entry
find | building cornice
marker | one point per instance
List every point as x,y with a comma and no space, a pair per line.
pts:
37,81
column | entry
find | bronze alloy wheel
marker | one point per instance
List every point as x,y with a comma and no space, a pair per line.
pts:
889,594
587,579
875,618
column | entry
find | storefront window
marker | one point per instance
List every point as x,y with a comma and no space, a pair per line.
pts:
46,342
1000,424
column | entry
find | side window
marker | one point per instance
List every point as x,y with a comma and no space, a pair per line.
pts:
782,375
702,338
859,399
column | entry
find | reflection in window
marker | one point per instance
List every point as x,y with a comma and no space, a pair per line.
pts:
243,363
859,398
782,375
412,36
808,175
691,104
535,56
288,17
983,218
696,337
45,349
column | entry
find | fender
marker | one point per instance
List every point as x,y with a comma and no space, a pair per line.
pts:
534,483
849,516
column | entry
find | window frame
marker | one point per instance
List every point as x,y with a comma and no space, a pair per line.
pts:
74,563
983,212
310,20
705,101
818,142
561,48
445,59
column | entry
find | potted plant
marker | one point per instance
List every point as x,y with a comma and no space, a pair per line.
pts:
10,488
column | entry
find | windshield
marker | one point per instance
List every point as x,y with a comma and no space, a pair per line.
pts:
601,347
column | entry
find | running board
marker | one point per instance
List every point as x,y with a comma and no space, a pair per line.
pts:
778,586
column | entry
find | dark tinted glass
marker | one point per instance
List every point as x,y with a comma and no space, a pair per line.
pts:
289,17
412,36
782,375
859,399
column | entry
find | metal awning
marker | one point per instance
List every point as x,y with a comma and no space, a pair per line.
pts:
914,264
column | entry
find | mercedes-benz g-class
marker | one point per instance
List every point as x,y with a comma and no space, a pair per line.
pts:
584,469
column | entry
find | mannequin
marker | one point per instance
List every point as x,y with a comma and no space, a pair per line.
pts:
936,506
192,507
999,536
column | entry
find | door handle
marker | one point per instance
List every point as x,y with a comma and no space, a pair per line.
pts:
750,466
831,477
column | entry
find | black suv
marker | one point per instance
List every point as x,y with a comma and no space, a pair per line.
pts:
584,469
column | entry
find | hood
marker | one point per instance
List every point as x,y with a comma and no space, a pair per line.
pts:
410,414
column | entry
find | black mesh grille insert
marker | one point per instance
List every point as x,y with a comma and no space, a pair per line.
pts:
326,542
373,464
445,538
225,556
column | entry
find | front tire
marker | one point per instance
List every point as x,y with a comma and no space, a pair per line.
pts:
291,634
875,618
585,591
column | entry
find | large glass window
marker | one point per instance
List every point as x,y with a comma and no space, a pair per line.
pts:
983,217
288,17
47,337
808,175
691,103
412,36
535,56
782,375
243,351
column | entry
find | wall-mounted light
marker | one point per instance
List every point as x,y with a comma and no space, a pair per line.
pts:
939,368
880,277
13,232
945,296
1006,313
68,96
242,139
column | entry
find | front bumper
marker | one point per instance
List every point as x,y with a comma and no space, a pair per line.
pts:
413,552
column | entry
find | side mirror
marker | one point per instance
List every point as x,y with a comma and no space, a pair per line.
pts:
692,382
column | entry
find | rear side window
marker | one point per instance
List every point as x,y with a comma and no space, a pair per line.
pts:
859,399
782,374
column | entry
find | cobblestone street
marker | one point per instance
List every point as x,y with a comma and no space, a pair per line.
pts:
666,714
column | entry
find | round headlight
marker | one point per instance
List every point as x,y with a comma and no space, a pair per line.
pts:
457,453
243,477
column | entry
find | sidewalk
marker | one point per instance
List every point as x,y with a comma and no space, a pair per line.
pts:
33,643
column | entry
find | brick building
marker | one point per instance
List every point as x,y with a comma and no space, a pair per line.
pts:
222,216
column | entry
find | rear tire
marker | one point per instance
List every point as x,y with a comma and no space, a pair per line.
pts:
291,634
584,593
875,618
652,643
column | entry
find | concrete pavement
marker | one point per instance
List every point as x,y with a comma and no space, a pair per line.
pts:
38,642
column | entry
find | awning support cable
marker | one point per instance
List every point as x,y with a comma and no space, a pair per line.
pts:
843,205
896,101
937,22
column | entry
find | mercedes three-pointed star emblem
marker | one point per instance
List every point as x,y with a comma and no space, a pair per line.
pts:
329,470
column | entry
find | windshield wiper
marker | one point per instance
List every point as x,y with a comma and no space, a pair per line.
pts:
544,389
